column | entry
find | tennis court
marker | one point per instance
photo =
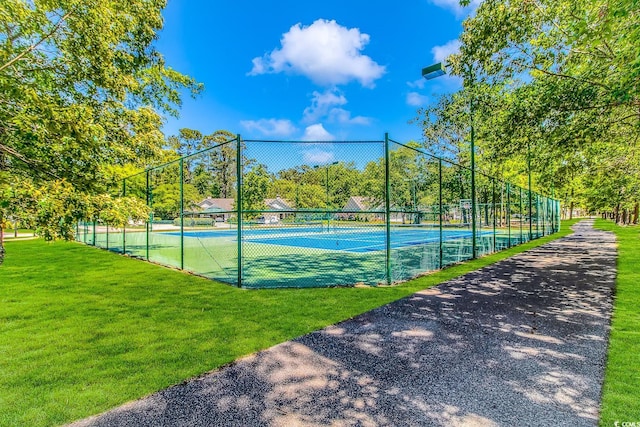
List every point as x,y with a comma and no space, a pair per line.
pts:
380,213
347,239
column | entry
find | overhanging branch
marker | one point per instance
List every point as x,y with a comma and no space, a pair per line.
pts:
38,43
35,165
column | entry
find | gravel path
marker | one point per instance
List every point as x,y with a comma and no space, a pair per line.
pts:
519,343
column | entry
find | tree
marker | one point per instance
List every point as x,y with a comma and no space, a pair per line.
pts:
406,169
80,84
81,90
255,188
221,161
213,169
166,199
18,207
556,88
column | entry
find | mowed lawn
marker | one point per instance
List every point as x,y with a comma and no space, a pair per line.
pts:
83,330
621,391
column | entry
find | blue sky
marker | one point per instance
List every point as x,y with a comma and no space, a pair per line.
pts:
292,69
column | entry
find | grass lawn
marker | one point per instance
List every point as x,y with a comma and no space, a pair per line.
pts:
621,391
83,330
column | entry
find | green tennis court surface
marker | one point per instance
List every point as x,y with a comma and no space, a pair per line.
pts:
310,254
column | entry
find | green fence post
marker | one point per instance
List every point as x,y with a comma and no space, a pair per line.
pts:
107,236
495,211
551,219
387,207
239,207
530,210
124,227
473,205
521,237
508,216
181,213
440,204
537,215
148,192
94,233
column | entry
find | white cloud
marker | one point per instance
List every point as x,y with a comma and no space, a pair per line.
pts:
454,6
318,156
325,52
321,104
339,115
317,132
441,53
419,84
270,127
327,104
416,100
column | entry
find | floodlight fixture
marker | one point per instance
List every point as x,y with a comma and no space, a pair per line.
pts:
433,71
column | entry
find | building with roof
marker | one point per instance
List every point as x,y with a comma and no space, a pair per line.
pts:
221,209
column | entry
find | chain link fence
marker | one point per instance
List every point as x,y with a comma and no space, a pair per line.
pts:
262,214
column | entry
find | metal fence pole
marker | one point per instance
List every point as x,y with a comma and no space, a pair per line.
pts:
473,204
495,211
508,216
239,207
530,210
387,207
521,216
440,204
124,227
537,215
148,192
182,213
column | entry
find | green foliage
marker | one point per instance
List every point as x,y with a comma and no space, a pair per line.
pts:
166,199
81,82
256,187
213,169
82,88
18,205
59,210
555,93
117,212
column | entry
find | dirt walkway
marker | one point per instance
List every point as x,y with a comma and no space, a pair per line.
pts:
519,343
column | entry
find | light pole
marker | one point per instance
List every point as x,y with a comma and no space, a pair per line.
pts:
437,70
326,167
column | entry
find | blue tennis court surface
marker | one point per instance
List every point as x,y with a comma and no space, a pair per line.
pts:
349,239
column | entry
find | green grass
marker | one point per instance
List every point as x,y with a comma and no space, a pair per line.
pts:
83,330
621,391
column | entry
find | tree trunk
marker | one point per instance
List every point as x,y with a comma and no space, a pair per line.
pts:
617,214
571,210
636,211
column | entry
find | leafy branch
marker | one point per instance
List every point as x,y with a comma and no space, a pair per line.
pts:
38,43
